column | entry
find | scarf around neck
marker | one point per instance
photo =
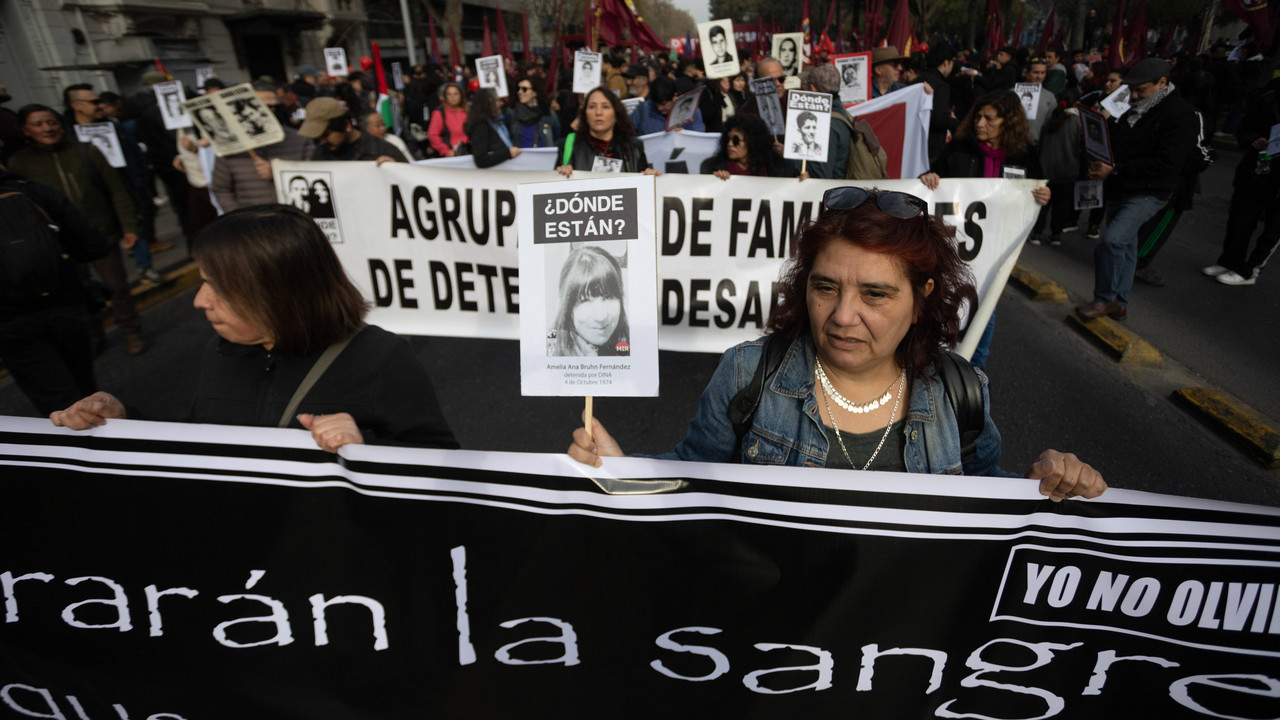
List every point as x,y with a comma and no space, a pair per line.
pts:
993,160
1138,108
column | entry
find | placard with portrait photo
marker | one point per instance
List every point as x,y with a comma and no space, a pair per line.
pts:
788,49
588,287
684,107
586,71
808,126
1029,95
855,77
170,96
1097,138
335,61
766,91
492,74
1117,103
102,135
719,48
234,120
1088,194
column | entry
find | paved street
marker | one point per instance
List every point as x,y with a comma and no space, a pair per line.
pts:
1050,386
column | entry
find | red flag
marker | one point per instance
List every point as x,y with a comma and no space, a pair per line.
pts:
831,12
900,26
1116,48
524,36
1257,15
610,22
1047,33
1017,29
641,33
995,28
378,71
486,45
455,51
504,43
1135,42
160,68
588,26
435,45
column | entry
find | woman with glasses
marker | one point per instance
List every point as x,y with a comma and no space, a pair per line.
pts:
530,121
491,143
870,300
746,148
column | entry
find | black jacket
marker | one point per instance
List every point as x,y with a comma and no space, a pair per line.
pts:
962,158
940,120
487,148
777,166
79,239
1262,112
377,379
1150,155
584,157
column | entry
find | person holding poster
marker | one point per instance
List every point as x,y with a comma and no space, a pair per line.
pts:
850,374
592,315
609,143
282,307
746,148
651,117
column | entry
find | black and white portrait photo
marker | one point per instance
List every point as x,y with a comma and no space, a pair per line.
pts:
766,91
586,71
103,136
683,109
787,48
1088,194
807,146
170,96
1097,140
492,74
590,317
855,77
808,126
719,50
213,126
335,61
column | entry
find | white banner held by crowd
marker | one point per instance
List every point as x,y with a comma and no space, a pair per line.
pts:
435,250
588,311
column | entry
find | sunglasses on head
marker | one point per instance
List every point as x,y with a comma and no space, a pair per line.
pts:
894,204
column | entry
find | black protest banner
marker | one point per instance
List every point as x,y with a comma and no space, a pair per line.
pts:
160,571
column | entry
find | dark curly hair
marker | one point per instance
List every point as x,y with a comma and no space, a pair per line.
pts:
756,135
926,249
1015,135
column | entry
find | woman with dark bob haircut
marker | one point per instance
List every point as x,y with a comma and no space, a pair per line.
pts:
871,298
592,318
280,305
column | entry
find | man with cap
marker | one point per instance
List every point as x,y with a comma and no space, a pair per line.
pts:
305,87
329,124
1149,143
886,67
637,81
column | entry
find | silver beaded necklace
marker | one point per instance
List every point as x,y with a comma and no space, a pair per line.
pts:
842,401
826,395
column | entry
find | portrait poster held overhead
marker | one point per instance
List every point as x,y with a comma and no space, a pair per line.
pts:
588,287
766,91
170,95
103,136
1097,137
492,74
719,51
335,61
235,120
1029,95
586,71
855,77
808,126
787,48
684,108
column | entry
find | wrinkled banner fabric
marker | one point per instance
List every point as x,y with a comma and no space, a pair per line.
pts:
435,249
164,571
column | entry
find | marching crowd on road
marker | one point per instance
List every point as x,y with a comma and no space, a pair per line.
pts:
1058,117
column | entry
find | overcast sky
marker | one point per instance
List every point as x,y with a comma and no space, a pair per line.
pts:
699,9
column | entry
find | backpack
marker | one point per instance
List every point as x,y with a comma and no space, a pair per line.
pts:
867,159
31,257
964,390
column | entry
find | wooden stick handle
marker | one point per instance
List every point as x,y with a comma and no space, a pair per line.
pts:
587,417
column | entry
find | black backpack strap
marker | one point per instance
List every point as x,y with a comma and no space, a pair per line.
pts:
964,389
742,408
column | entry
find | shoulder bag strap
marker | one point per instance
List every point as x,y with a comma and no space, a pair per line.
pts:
326,359
742,408
964,389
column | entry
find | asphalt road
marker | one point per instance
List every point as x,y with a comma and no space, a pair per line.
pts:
1050,389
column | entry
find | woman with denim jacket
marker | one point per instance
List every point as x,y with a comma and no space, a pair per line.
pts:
869,301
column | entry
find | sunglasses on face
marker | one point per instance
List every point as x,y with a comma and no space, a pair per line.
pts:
523,88
736,140
894,204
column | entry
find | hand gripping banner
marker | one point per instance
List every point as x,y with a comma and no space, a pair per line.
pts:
164,571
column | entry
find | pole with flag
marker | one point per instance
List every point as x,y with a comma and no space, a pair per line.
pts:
1136,40
504,43
524,36
1046,34
899,34
1116,48
806,26
486,45
455,51
1017,32
435,44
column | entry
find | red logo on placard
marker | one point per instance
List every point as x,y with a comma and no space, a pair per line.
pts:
622,346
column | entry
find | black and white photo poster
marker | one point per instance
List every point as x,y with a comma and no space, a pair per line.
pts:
335,61
766,91
855,77
808,126
160,571
1088,194
586,71
719,48
588,300
684,108
1117,103
1097,138
788,49
492,75
103,136
1029,96
203,73
170,96
235,119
